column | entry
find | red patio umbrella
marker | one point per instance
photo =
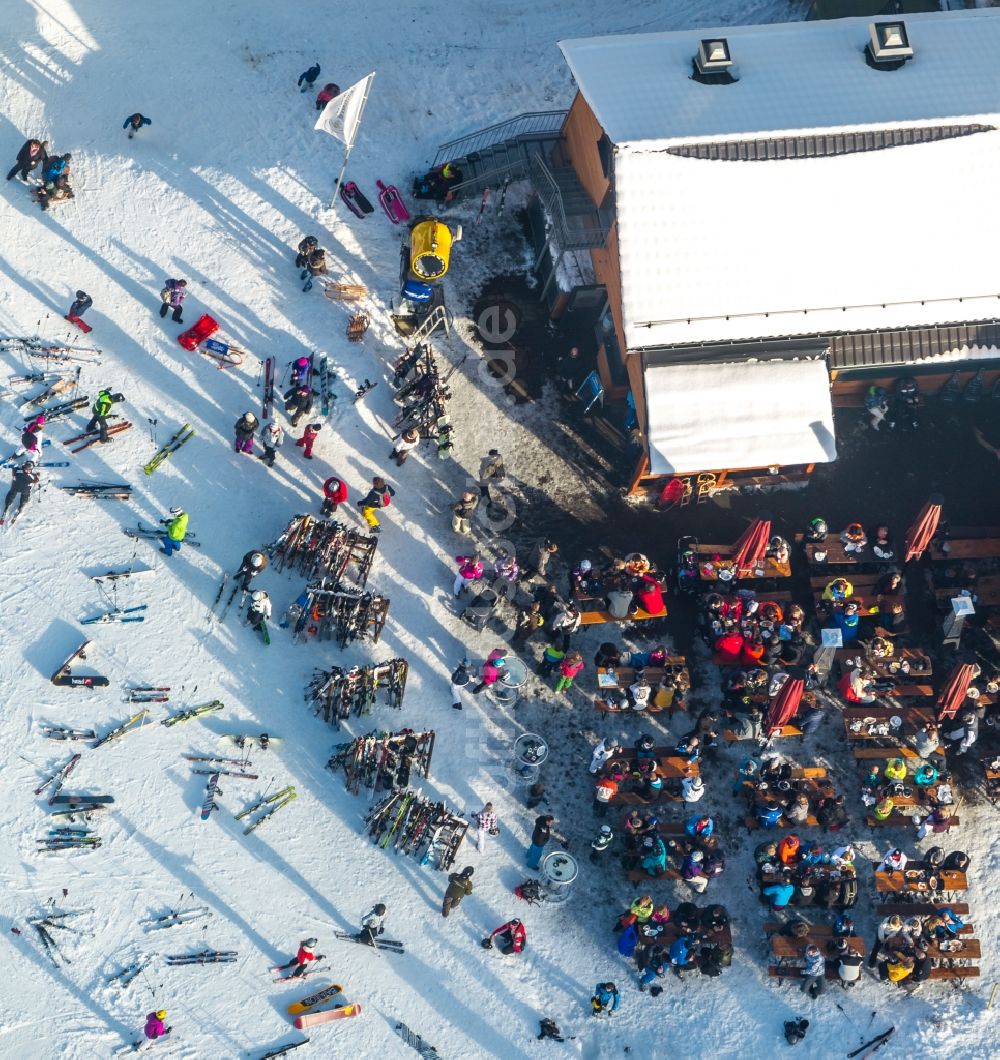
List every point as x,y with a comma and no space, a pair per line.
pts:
953,691
784,706
752,545
918,537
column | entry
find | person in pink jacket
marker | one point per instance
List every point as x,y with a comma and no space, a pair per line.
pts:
470,569
494,669
154,1029
571,665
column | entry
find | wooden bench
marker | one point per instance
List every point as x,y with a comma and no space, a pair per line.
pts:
902,820
885,753
662,699
788,947
967,548
638,876
794,971
596,618
970,971
786,730
924,909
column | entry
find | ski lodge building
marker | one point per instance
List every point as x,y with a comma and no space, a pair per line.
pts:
769,218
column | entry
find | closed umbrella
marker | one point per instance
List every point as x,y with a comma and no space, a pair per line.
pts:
752,545
953,691
918,537
784,706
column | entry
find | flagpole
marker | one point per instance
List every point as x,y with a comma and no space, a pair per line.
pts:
350,146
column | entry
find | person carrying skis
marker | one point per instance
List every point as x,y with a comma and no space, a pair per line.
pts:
404,444
100,410
606,999
298,402
271,437
334,494
512,937
259,610
487,823
32,154
134,122
245,428
80,306
172,296
176,531
308,78
372,924
315,266
155,1028
306,246
252,564
301,961
327,92
379,496
23,480
459,887
462,512
308,439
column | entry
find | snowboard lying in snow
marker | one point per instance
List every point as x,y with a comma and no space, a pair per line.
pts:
311,1019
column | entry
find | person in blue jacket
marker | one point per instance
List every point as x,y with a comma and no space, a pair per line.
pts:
134,122
655,861
768,814
779,893
57,166
606,999
655,969
308,79
680,950
699,827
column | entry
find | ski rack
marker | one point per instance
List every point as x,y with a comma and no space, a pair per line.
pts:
419,827
338,693
343,615
322,551
384,761
54,351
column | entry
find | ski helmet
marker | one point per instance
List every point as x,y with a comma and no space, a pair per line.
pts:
605,829
257,596
81,294
379,909
302,361
818,525
309,943
176,511
161,1014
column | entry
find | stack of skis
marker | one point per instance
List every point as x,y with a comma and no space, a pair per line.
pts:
322,550
422,394
343,615
53,921
384,761
411,824
338,692
101,491
50,351
66,838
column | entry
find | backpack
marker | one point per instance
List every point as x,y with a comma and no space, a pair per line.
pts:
628,940
530,891
386,499
165,294
957,860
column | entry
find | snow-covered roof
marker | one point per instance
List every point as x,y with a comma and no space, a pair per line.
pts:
776,412
793,75
902,237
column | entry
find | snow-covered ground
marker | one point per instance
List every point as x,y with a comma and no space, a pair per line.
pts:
218,190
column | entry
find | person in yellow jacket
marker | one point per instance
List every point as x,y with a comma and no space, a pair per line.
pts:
895,770
898,967
882,809
176,531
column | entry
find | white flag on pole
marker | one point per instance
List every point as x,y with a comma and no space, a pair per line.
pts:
342,115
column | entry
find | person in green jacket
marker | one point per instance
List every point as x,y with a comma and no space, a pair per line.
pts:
100,409
176,531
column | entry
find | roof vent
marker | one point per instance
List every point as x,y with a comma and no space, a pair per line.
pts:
712,65
889,46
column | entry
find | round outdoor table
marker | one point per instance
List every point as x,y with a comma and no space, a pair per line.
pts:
558,870
507,691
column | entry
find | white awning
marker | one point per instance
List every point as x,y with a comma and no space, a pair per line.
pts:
711,417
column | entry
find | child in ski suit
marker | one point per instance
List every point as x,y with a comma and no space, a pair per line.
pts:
606,999
155,1028
134,122
568,669
379,496
245,428
334,494
271,437
308,439
176,531
493,670
172,296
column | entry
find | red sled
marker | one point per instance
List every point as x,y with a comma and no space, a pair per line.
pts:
392,202
204,327
81,324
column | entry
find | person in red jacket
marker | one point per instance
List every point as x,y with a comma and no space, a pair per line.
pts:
308,439
328,92
729,646
649,593
334,494
302,959
571,665
513,938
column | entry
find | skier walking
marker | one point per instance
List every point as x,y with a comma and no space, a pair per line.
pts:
252,564
100,410
461,678
372,924
298,402
271,437
31,155
308,78
487,823
308,439
245,428
301,961
155,1029
80,306
259,610
379,496
462,512
23,480
404,444
172,296
134,122
306,246
511,937
459,887
176,531
334,494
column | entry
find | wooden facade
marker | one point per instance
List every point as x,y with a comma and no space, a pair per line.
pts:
582,135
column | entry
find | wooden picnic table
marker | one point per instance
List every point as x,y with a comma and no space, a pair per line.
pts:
770,568
966,548
950,881
618,678
913,719
793,948
918,663
594,612
670,932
